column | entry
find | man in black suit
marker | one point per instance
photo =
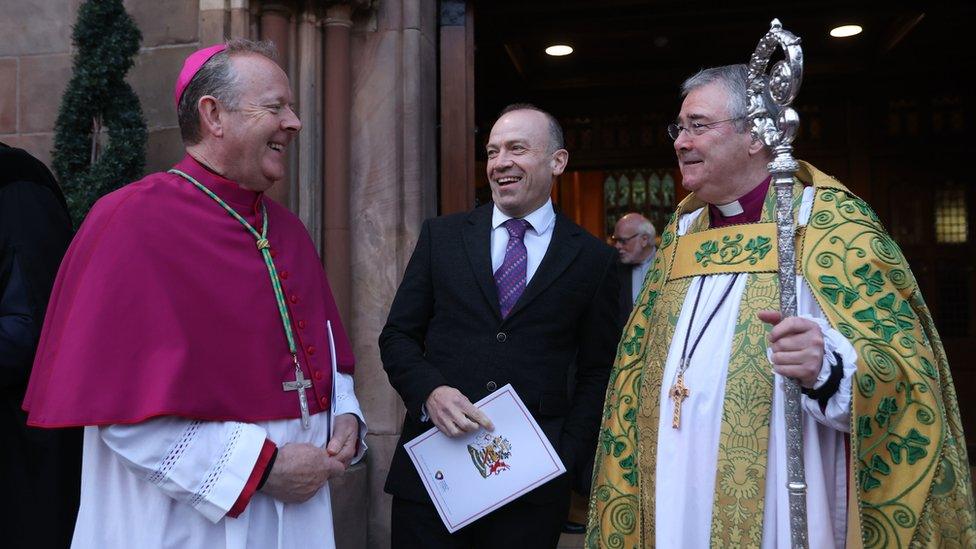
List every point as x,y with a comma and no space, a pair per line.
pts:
511,292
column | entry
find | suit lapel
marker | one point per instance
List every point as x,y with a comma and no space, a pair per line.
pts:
563,249
477,244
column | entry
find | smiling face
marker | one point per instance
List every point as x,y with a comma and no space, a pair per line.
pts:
257,131
717,165
521,167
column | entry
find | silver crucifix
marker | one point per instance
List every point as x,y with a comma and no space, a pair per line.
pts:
300,384
775,91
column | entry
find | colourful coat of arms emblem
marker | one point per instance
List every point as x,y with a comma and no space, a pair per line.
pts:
489,452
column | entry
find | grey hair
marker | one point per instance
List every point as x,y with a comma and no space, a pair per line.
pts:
735,78
216,78
556,140
643,225
646,227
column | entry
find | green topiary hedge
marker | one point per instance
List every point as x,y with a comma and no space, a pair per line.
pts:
105,39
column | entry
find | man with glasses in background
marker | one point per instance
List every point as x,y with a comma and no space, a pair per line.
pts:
635,253
634,238
699,373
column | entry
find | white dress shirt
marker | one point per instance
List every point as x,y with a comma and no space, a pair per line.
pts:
536,241
536,238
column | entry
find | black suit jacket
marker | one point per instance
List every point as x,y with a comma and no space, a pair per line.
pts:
626,273
555,348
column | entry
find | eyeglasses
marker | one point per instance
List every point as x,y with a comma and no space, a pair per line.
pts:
696,128
623,239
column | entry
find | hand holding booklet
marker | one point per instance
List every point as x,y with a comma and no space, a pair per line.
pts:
472,475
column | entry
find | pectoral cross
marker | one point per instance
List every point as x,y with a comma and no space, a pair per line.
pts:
300,384
678,393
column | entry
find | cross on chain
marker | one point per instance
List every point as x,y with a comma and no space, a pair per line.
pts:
678,393
300,384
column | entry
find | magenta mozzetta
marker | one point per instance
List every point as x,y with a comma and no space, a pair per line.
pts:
165,294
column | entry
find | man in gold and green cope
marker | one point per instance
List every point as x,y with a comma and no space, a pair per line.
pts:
692,448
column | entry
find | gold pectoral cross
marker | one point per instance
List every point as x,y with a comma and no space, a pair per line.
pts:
678,393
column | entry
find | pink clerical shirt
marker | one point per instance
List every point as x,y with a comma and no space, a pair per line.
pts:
164,306
751,204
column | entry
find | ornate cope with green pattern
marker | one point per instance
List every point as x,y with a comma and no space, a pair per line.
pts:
909,471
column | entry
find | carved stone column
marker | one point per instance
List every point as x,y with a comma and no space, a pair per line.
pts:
393,188
219,21
307,84
275,23
351,493
337,85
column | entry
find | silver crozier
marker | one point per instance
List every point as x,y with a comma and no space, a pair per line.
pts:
780,86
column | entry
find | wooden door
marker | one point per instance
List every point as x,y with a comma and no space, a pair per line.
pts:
457,125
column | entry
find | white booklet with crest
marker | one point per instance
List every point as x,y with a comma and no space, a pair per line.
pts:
472,475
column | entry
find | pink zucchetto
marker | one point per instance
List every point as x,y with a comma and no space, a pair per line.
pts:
191,66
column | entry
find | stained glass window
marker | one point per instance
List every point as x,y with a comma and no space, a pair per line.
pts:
951,220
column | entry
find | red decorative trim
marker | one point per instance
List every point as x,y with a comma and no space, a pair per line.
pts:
251,485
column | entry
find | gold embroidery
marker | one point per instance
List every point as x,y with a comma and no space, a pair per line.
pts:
732,249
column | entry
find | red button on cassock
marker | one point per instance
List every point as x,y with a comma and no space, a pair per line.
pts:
293,298
301,324
318,375
324,401
274,253
311,350
284,275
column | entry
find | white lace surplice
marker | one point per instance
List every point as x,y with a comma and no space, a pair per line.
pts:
168,482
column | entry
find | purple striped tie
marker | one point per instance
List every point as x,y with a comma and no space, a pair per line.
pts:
510,277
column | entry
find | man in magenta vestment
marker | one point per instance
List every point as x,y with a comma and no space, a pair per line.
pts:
173,333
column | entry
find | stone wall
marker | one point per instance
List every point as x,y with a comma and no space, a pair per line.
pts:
35,65
393,183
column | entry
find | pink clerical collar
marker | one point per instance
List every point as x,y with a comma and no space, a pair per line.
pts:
750,207
227,190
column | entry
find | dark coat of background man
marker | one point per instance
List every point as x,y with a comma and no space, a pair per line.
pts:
40,470
448,342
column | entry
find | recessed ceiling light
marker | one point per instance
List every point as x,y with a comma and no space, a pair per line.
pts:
559,50
844,31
